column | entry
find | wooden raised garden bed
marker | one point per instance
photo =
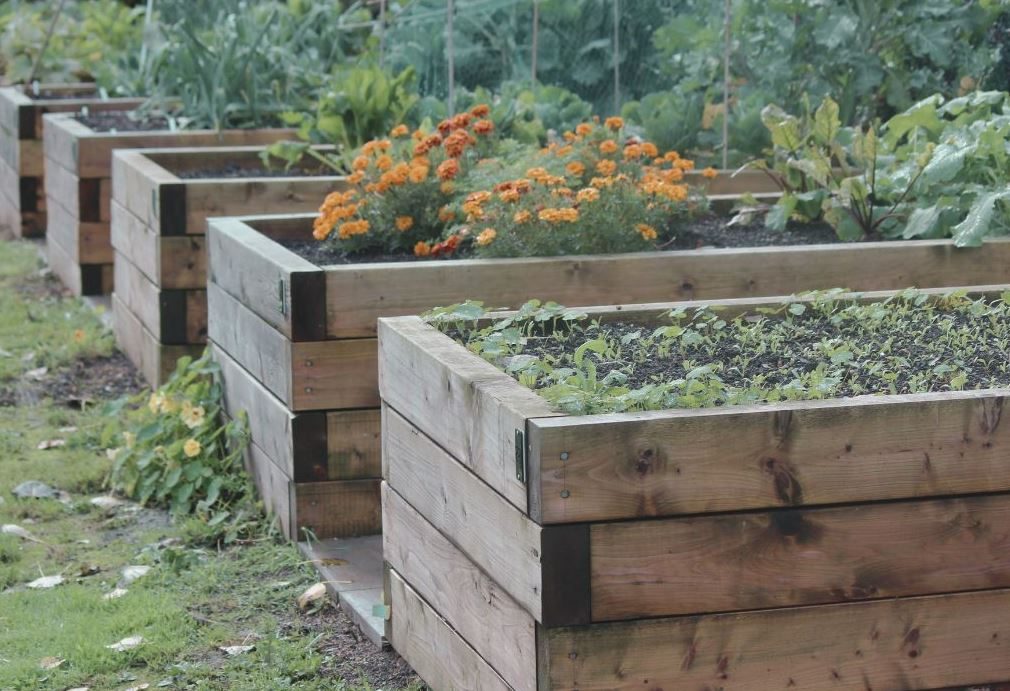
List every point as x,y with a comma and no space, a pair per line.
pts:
305,334
158,227
78,166
859,543
22,190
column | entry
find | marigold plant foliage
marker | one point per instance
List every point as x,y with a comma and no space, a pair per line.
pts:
459,188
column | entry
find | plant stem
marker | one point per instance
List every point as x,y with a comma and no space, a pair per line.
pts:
45,43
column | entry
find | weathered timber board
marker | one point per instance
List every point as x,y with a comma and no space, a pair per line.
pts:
155,361
438,654
608,467
323,375
490,621
84,242
173,263
466,405
798,557
901,644
87,279
345,508
173,317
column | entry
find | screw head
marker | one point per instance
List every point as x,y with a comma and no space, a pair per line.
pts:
564,455
565,494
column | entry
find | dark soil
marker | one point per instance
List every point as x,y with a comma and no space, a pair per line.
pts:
233,171
122,121
60,95
353,657
82,382
714,231
707,231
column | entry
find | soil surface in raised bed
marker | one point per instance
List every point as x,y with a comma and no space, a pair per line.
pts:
827,349
234,171
122,121
61,95
707,231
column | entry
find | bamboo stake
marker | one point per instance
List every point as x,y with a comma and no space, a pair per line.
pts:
617,56
727,48
45,43
536,35
451,58
382,32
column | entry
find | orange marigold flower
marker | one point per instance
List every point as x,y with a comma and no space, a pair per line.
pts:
321,228
522,216
561,192
569,136
684,164
447,187
509,195
444,127
456,143
646,231
480,110
422,249
608,146
600,183
614,123
445,214
649,149
566,215
671,156
461,121
583,129
360,163
355,177
483,127
383,144
384,162
486,237
710,173
404,223
418,174
606,167
351,228
632,151
448,169
538,174
588,194
447,246
417,135
368,148
399,131
575,168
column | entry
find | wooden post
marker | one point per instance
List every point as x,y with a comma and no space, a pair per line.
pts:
727,48
451,58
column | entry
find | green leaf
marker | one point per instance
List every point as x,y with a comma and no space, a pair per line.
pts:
946,162
826,122
779,215
972,230
783,127
922,221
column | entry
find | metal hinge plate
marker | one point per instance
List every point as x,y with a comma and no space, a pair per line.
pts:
520,456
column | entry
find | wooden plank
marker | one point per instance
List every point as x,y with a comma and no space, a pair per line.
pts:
273,486
325,375
358,294
283,289
486,617
63,186
438,654
239,197
174,317
178,263
155,361
80,279
136,185
85,242
466,405
909,643
346,508
867,448
799,557
353,441
495,535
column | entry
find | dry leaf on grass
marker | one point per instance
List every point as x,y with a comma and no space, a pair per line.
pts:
51,444
233,650
126,644
50,662
115,594
312,595
45,583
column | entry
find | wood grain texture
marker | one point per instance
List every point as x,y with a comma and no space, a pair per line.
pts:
345,508
493,533
438,654
466,405
85,242
357,295
154,360
273,486
174,317
904,644
91,279
353,441
486,617
263,275
806,453
136,181
799,557
174,263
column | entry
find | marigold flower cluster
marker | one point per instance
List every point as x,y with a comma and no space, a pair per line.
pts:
597,188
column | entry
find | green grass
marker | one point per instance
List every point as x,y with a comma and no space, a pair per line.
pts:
193,600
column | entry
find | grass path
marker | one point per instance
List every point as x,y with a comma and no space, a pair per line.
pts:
190,604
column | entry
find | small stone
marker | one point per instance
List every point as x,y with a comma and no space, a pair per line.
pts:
45,583
132,573
233,650
126,644
33,489
115,594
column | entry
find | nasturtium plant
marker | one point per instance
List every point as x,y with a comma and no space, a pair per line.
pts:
822,345
173,448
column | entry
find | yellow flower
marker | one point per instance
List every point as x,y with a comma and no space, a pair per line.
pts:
191,448
154,402
486,237
509,195
646,231
589,194
112,453
193,416
608,146
404,223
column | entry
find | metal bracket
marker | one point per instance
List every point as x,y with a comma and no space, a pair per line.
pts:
520,456
382,611
154,203
282,296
